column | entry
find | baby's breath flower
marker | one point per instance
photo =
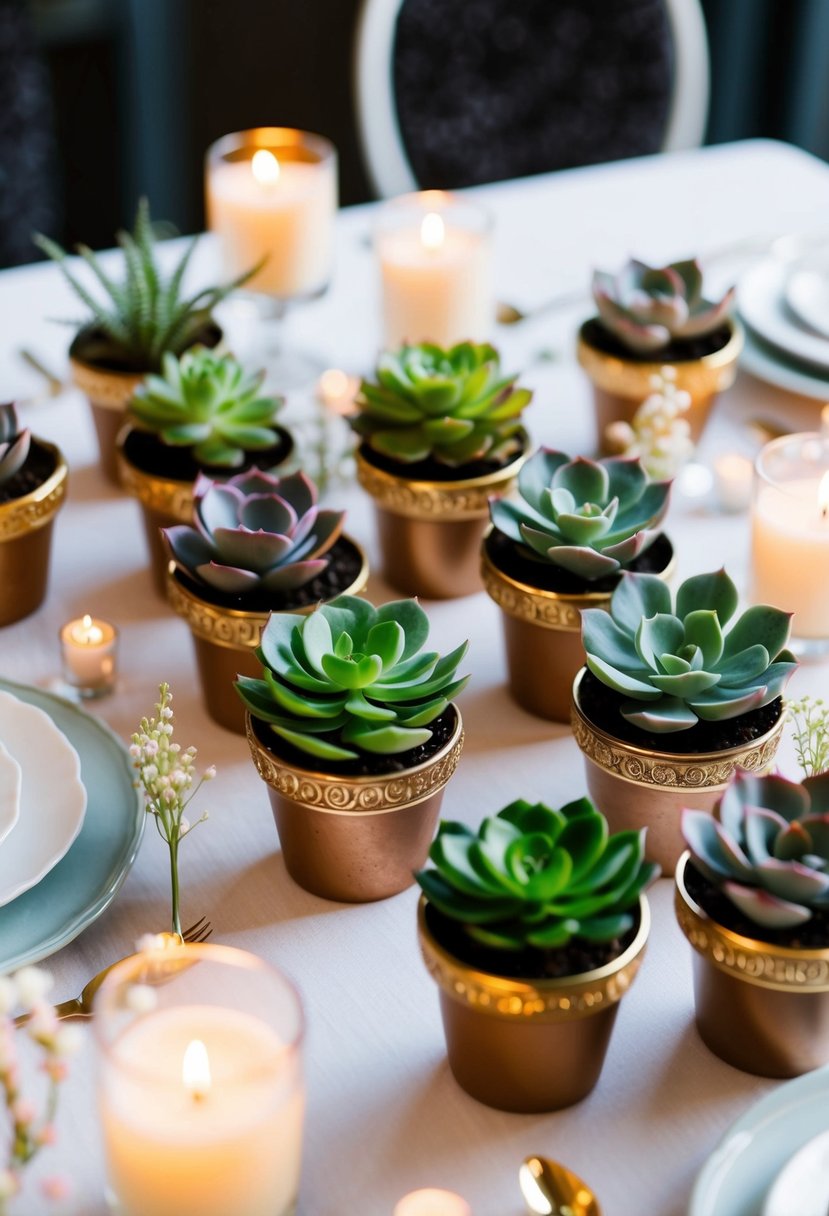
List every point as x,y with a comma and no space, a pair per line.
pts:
33,983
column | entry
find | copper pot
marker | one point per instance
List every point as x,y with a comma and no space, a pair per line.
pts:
108,394
225,640
430,532
164,502
26,541
529,1045
542,634
635,787
762,1008
355,839
621,385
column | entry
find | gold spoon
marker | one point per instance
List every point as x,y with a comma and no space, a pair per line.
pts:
510,314
550,1189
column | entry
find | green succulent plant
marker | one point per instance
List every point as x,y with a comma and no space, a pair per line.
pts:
678,663
14,443
351,678
766,847
143,313
453,405
210,403
592,518
255,532
533,876
648,308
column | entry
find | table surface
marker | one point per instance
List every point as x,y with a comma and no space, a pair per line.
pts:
384,1114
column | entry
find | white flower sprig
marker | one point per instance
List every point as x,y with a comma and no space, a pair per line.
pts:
167,775
659,434
30,1127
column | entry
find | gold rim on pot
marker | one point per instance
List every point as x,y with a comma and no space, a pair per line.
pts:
37,508
112,390
168,496
433,500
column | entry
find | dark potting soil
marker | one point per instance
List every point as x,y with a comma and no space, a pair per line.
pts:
683,350
94,346
366,765
344,564
516,563
576,958
814,935
147,452
433,470
40,464
602,706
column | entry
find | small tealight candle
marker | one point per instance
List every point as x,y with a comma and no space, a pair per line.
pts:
432,1202
732,481
88,652
337,390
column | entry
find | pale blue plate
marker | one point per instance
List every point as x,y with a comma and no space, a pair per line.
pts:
739,1173
85,882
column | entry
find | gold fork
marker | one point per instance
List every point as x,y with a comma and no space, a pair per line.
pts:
81,1006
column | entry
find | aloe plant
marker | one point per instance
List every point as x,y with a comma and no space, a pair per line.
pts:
592,518
143,312
350,678
766,847
14,443
648,308
453,405
210,403
536,877
676,662
255,532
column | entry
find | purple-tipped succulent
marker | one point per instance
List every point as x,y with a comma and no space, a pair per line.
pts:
766,847
14,444
255,532
648,308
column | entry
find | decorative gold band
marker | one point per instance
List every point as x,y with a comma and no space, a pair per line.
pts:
358,795
758,963
557,1000
628,378
37,508
174,498
436,499
547,609
112,390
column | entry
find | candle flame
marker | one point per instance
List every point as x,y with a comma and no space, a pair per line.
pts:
87,621
195,1070
265,167
432,231
823,495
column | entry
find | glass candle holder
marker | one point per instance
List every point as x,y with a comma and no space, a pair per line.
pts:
89,652
435,255
790,535
200,1086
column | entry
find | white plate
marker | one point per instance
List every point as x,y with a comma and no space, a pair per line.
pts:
762,305
802,1186
737,1178
9,792
807,295
766,364
52,796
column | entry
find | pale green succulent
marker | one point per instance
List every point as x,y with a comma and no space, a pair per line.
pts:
533,876
210,403
766,847
453,405
592,518
350,678
14,443
648,308
677,663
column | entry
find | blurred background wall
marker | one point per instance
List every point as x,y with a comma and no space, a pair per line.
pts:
135,90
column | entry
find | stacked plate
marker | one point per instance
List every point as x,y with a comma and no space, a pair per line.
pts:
70,822
784,305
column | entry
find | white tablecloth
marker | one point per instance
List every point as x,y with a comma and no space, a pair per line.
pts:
385,1115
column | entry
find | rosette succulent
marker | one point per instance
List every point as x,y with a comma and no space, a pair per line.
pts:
677,663
766,847
210,403
255,532
533,876
452,405
14,443
592,518
648,308
350,678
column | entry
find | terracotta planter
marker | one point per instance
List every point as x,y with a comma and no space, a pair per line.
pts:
635,787
542,635
621,385
26,541
430,532
762,1008
529,1045
355,839
225,639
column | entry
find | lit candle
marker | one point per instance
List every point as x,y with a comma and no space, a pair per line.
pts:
432,1202
790,532
88,649
732,481
337,390
272,193
434,253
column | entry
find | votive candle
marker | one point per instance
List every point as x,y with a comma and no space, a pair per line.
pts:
88,652
432,1202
